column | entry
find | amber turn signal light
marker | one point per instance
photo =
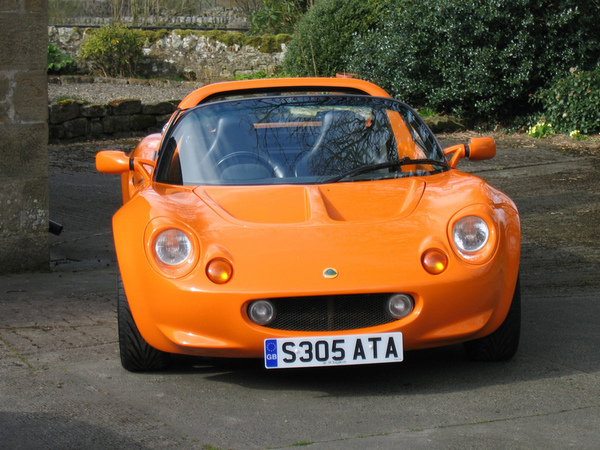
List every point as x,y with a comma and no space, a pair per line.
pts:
434,261
219,270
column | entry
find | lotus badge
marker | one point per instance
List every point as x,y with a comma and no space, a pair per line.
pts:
330,273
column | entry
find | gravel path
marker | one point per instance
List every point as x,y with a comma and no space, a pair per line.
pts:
99,92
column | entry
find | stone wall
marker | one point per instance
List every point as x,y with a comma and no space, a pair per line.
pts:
72,119
199,58
190,57
24,201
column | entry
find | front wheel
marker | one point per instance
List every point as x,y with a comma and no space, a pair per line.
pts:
502,344
136,354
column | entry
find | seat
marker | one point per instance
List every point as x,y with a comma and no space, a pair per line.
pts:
341,140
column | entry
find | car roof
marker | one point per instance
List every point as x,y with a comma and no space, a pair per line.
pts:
280,86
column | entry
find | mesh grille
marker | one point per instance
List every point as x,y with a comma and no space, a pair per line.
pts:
330,313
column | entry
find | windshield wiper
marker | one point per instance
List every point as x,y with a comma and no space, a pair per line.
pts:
406,161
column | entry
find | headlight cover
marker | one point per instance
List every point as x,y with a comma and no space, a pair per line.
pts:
470,234
473,234
172,248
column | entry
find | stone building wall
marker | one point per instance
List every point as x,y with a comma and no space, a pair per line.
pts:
24,201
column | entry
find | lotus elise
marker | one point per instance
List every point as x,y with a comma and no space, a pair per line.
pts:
309,222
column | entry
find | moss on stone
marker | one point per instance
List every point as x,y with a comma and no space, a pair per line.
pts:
265,44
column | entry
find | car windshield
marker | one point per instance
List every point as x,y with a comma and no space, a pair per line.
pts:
303,139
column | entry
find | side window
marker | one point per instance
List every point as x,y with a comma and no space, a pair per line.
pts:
169,169
404,136
421,134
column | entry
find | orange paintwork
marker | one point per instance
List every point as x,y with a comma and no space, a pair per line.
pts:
280,238
478,149
205,92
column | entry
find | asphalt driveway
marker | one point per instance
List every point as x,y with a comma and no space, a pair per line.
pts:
62,386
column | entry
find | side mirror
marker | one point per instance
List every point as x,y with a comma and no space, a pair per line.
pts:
116,163
113,162
482,148
476,150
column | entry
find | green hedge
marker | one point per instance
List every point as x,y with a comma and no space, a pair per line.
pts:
572,103
478,59
324,35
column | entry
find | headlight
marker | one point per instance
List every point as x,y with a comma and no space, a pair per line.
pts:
470,234
473,234
172,247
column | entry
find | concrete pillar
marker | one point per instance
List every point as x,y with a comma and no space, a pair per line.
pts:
24,242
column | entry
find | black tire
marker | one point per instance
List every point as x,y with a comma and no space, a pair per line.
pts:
503,343
136,354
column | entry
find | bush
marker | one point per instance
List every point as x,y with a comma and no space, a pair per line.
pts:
113,51
277,16
153,36
572,103
58,62
324,35
478,59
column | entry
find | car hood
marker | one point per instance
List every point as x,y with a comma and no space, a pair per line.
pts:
339,202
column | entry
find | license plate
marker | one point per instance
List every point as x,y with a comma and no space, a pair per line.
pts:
333,350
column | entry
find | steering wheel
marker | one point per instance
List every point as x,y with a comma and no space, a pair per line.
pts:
249,157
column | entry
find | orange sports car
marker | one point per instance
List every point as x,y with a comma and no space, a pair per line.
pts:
309,222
